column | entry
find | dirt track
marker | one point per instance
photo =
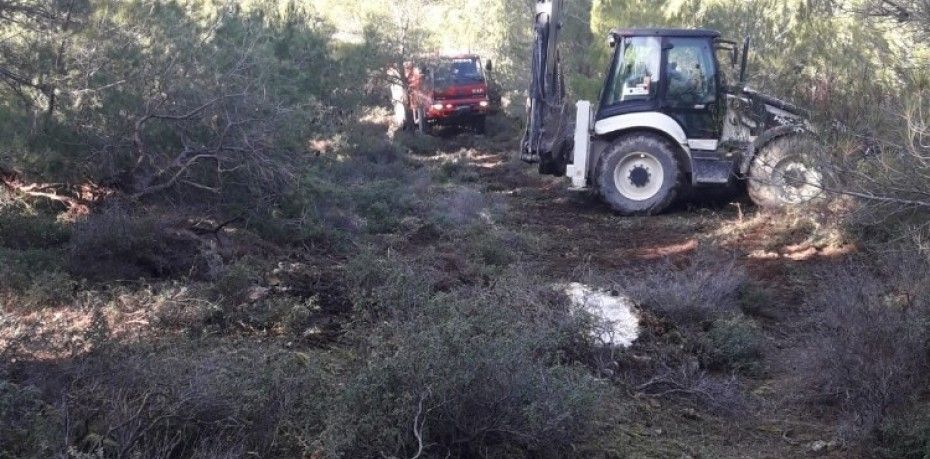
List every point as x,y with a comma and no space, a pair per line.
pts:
778,253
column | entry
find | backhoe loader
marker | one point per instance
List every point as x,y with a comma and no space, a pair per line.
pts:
667,121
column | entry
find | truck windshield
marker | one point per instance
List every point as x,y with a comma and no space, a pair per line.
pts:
453,71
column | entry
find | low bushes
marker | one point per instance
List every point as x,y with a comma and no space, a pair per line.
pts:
339,198
118,244
471,372
705,339
704,288
27,424
905,436
33,278
20,230
733,344
168,400
868,353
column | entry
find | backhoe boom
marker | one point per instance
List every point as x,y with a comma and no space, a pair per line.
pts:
548,129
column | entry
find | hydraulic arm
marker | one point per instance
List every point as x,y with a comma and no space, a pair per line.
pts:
548,130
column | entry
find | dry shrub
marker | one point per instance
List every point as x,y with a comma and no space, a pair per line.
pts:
761,300
47,289
462,207
234,284
704,288
173,306
197,308
424,145
20,230
869,351
472,372
27,423
687,382
343,197
7,199
905,436
388,283
179,400
383,286
733,344
32,279
118,244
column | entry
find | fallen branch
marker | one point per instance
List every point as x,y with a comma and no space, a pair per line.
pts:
183,166
419,424
52,191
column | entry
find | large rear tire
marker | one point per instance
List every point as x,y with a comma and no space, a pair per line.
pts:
783,173
639,175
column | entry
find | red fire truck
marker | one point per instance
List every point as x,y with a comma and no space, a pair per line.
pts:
448,90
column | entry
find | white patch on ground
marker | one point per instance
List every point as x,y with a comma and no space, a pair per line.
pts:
617,314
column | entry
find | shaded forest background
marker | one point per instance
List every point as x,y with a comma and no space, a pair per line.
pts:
212,245
158,97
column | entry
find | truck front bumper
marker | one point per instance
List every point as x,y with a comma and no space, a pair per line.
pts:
452,111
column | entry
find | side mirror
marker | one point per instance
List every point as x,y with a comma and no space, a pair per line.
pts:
488,66
612,40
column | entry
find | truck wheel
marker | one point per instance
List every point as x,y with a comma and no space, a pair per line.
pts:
423,126
783,175
402,116
639,175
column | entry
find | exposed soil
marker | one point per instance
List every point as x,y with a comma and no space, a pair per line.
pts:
572,233
577,231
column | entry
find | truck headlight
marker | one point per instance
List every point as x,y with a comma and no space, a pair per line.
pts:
437,106
483,103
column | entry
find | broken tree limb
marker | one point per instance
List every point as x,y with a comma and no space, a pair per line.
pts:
182,167
57,192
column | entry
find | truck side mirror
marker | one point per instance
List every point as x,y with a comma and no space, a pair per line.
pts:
488,66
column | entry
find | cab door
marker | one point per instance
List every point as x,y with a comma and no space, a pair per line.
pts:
689,90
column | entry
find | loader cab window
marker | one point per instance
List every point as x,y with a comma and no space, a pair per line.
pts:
636,71
691,74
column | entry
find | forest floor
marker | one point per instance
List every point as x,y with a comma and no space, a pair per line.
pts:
577,234
673,405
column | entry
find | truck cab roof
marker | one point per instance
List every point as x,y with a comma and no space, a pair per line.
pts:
665,33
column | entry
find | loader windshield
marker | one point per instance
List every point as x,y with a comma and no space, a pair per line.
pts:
636,72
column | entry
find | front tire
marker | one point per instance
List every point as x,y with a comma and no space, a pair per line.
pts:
783,174
639,175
